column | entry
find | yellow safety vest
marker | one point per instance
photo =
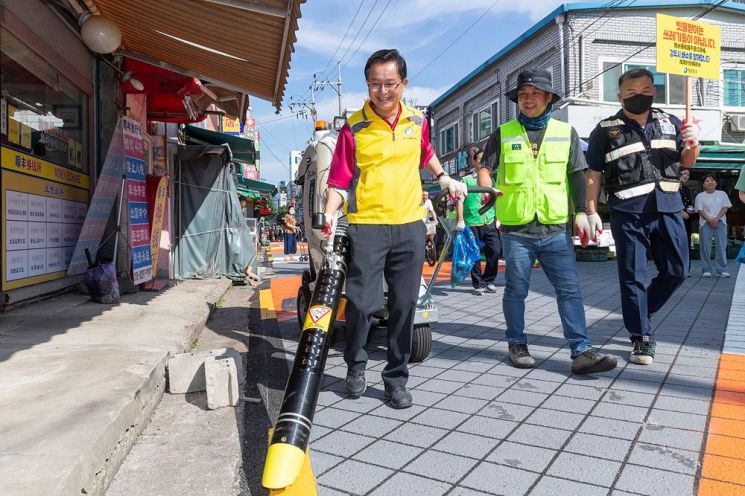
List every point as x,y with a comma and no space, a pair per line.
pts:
534,186
386,188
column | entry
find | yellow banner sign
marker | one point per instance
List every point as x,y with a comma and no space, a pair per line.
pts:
28,164
688,48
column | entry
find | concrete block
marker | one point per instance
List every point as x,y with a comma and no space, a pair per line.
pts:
186,370
222,382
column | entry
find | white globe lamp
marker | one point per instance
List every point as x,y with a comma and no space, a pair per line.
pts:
101,34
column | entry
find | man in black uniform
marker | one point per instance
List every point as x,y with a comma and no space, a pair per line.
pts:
640,151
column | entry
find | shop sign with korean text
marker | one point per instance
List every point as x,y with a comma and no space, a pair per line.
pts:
139,224
688,48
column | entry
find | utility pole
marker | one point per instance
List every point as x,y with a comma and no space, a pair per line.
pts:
301,107
335,85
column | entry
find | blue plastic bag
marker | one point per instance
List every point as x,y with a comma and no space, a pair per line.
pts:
466,252
741,256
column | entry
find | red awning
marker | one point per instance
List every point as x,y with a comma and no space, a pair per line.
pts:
159,81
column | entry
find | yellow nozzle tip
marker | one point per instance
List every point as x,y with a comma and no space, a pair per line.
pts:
283,465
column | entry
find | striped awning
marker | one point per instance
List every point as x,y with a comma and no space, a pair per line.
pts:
240,45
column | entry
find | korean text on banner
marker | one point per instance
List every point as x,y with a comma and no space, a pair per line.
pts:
139,225
688,48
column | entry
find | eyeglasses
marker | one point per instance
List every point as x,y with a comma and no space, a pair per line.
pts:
380,86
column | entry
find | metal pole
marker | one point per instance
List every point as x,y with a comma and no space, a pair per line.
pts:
338,85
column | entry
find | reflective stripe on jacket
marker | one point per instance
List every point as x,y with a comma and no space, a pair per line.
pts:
630,167
386,188
534,186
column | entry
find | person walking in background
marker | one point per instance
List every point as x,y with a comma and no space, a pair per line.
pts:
540,161
291,230
740,186
688,210
375,174
484,229
712,206
640,150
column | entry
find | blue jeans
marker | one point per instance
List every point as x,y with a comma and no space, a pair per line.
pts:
556,254
706,232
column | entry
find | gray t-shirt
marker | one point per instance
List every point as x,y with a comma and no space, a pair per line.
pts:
575,171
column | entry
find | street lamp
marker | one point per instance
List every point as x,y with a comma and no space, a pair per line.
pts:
100,34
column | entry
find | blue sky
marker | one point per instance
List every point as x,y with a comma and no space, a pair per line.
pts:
420,29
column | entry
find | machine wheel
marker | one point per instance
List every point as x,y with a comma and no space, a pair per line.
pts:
301,303
421,344
430,252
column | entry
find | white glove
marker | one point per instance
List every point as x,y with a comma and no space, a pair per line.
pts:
456,189
460,225
690,132
583,228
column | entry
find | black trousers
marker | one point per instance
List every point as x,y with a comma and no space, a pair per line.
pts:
395,252
489,235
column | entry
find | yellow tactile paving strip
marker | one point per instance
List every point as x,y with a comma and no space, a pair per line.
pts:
723,472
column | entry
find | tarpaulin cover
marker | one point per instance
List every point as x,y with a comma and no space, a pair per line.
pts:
212,237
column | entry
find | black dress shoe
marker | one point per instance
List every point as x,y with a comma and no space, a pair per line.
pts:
356,383
400,397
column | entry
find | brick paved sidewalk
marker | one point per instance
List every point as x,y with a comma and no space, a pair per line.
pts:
481,427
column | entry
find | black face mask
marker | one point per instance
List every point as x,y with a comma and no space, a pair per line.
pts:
638,104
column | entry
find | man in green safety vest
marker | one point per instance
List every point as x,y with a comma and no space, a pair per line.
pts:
484,228
539,162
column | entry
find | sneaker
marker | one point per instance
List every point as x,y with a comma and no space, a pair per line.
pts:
707,274
400,397
356,383
591,362
520,357
491,288
478,291
643,352
724,274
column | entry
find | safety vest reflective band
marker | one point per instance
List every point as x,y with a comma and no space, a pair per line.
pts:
472,204
386,188
534,186
635,165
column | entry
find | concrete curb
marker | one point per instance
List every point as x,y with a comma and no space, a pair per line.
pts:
68,432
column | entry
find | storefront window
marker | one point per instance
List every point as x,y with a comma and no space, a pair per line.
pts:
734,87
43,113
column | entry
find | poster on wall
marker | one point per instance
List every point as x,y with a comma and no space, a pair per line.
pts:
139,222
43,206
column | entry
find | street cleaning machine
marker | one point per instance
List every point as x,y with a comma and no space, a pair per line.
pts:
286,460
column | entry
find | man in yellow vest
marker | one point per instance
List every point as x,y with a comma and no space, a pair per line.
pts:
375,174
539,162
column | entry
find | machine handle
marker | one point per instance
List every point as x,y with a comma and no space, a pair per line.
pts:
440,206
318,221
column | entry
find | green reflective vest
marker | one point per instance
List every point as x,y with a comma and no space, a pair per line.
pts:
534,186
472,204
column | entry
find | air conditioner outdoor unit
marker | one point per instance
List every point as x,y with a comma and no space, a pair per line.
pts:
738,122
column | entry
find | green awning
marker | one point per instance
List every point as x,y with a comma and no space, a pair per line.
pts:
258,186
241,148
722,157
248,193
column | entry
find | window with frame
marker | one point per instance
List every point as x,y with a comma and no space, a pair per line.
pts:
485,121
733,85
449,139
669,88
46,113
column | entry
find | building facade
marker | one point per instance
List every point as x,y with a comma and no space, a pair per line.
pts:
582,46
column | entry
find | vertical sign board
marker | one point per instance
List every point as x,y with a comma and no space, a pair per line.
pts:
107,188
688,48
139,226
43,207
157,189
